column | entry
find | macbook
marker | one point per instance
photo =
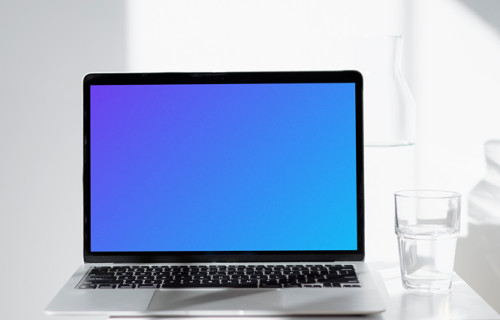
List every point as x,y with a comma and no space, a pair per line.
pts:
222,194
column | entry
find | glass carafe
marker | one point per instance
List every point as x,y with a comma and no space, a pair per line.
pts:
389,108
389,132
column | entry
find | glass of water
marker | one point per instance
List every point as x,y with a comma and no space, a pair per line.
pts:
427,226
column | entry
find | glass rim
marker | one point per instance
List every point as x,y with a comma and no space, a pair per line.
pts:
427,194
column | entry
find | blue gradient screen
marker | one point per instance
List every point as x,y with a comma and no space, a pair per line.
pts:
223,167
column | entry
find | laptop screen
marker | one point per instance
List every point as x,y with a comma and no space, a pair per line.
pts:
222,167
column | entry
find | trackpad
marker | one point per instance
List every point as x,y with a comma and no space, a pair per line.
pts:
230,301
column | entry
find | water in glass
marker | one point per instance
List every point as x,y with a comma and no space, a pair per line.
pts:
427,253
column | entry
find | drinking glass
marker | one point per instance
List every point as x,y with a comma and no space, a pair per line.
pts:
427,227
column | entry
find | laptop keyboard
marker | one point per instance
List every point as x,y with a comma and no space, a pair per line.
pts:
221,276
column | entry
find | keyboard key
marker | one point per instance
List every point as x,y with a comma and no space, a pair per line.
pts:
270,286
132,281
230,283
90,281
351,286
331,285
98,278
248,285
312,285
148,286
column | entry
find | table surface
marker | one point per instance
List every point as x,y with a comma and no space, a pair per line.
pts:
462,303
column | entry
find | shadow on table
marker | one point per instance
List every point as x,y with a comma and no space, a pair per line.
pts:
426,306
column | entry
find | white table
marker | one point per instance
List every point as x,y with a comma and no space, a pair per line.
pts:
461,303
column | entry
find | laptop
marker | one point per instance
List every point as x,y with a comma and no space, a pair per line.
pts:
222,194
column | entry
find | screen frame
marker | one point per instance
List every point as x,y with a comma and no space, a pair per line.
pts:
348,76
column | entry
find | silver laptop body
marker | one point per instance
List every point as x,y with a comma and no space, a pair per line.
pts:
239,172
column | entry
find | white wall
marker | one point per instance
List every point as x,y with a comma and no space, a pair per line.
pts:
248,35
46,47
456,68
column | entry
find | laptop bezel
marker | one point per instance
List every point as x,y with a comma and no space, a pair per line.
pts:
349,76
